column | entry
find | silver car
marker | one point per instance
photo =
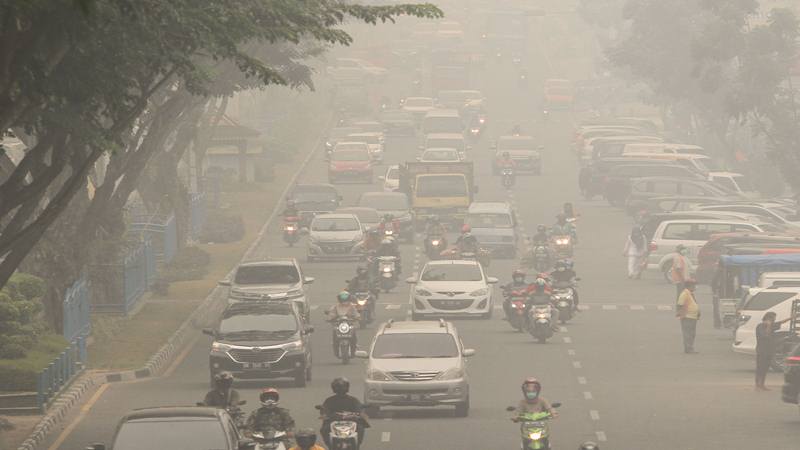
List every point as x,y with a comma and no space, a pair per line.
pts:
417,364
269,280
335,236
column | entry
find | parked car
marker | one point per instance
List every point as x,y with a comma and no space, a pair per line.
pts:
701,163
734,182
646,187
419,363
394,203
494,224
718,245
617,183
679,203
391,180
350,161
523,151
780,215
334,236
261,341
663,147
269,280
440,155
457,288
609,146
369,218
592,176
759,302
177,428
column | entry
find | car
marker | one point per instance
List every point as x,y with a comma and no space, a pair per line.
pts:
350,161
608,146
442,121
446,140
663,147
646,187
176,427
420,363
781,215
337,134
269,280
558,94
375,142
391,180
701,163
313,199
393,203
370,218
523,151
335,236
440,155
451,288
617,182
726,243
264,340
418,106
734,182
790,392
679,203
494,224
397,122
592,176
760,301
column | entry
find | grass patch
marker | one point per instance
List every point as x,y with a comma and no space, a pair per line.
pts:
20,374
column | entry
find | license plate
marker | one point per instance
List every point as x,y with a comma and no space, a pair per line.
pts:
256,365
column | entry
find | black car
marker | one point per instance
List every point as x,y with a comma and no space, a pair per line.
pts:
791,377
177,428
313,199
260,341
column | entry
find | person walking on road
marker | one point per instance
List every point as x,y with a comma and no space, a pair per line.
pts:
636,251
689,313
679,272
765,347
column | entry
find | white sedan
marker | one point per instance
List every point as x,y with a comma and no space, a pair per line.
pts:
457,288
440,155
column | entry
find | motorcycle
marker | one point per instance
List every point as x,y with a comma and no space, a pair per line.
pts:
291,230
563,246
534,430
540,321
564,298
365,304
271,440
344,339
434,246
344,430
538,258
517,308
387,271
508,178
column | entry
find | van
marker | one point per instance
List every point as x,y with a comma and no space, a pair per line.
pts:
663,147
700,163
442,121
494,224
605,146
779,279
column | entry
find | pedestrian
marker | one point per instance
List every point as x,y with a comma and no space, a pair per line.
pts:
688,312
636,251
765,347
679,272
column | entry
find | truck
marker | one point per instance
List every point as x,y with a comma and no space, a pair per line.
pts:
444,189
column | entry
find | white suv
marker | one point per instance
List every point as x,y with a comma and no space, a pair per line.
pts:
417,364
760,301
451,288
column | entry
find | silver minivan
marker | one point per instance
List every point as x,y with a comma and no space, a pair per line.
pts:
494,224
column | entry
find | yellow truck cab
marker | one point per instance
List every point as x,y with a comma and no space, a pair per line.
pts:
444,189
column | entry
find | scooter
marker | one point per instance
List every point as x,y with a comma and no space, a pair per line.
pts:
534,430
508,178
564,298
517,309
270,440
291,230
434,246
365,304
563,246
538,258
540,321
344,339
387,271
344,430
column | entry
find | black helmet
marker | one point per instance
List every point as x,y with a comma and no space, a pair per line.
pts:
340,385
518,275
306,438
589,445
360,270
223,380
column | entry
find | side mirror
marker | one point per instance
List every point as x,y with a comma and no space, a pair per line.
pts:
308,280
511,408
96,447
224,282
361,354
309,329
242,402
318,407
492,280
556,405
247,444
209,332
468,352
411,280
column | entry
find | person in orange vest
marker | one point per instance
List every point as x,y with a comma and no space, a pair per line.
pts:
688,311
680,269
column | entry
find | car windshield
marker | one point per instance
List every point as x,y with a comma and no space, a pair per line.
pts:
365,138
455,143
364,215
515,144
258,322
452,272
334,224
174,433
350,155
415,345
267,275
385,202
440,155
441,186
763,301
489,221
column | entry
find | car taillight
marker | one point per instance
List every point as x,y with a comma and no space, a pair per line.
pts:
793,361
653,247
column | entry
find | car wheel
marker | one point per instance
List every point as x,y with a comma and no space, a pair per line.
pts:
462,409
308,373
300,378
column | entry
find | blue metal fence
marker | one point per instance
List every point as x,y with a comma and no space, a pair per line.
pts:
60,372
135,273
197,214
161,230
76,306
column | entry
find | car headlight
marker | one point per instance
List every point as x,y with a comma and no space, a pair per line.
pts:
422,292
479,292
453,373
377,375
743,319
294,345
564,241
220,347
535,436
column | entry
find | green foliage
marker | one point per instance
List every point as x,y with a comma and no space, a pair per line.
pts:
19,374
19,309
221,227
191,263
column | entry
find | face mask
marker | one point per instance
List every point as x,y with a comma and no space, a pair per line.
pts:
270,403
531,395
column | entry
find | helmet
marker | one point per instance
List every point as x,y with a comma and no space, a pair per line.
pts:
306,438
561,265
540,282
269,397
343,297
518,275
360,270
589,445
506,155
466,228
388,217
541,228
340,385
561,217
531,385
223,380
569,263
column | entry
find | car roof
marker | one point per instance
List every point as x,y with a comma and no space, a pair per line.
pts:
732,220
335,216
676,179
489,207
667,155
424,326
442,113
439,149
313,187
269,262
444,135
173,411
357,145
383,194
276,306
517,137
450,262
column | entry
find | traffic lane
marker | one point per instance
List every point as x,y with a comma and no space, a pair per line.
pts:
654,389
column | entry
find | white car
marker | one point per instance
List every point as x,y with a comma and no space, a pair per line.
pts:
457,288
391,181
779,300
374,141
335,236
418,106
440,155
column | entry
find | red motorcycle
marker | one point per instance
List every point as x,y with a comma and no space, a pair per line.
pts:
517,309
291,230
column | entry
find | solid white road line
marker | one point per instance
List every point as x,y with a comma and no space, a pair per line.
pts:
393,306
594,414
664,308
587,395
563,329
609,307
637,307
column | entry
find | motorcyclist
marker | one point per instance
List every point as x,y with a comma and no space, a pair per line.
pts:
532,402
306,439
372,241
270,417
569,211
360,282
517,130
344,307
563,226
339,402
505,161
517,283
291,209
434,229
541,237
388,222
540,294
467,243
223,395
565,275
389,247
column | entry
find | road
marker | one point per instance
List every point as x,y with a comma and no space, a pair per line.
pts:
618,368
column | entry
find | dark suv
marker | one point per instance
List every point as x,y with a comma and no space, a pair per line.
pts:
177,428
791,377
262,340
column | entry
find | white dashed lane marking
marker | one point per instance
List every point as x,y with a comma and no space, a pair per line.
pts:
567,340
609,307
582,380
594,414
393,306
577,364
571,352
637,308
601,436
386,436
587,395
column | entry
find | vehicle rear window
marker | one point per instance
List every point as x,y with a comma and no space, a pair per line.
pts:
267,275
350,155
766,300
173,433
489,221
441,186
334,224
678,231
415,345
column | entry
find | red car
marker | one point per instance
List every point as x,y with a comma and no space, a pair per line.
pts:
350,161
558,94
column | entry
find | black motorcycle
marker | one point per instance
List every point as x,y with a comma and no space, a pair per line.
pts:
508,177
344,338
435,244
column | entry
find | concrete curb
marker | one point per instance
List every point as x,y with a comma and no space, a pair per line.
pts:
204,314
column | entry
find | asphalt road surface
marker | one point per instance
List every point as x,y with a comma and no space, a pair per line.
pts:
618,368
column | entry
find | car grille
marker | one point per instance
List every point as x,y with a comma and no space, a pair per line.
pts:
269,355
337,247
450,293
451,305
423,391
414,376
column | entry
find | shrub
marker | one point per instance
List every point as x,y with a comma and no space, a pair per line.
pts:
20,374
221,228
19,310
